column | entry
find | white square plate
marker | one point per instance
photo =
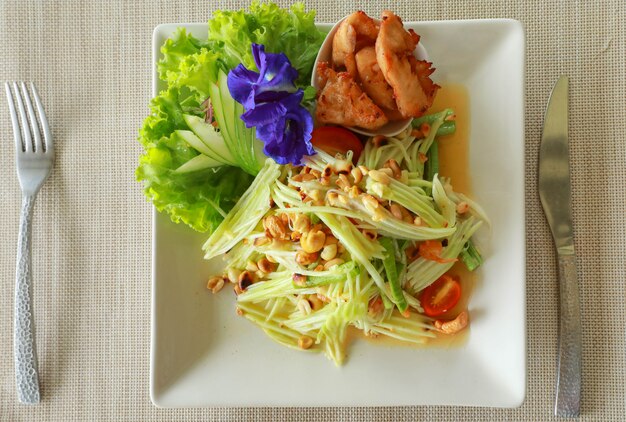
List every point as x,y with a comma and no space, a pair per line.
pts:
203,354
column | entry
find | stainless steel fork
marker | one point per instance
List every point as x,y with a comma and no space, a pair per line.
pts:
34,158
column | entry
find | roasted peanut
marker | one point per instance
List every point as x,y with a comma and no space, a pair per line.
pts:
396,211
380,176
315,194
387,171
330,240
395,168
364,170
305,342
328,171
329,252
343,167
454,326
356,175
379,215
370,203
332,198
274,227
354,192
260,241
215,284
245,280
299,280
266,266
313,241
315,302
304,258
342,182
417,221
406,215
378,188
233,275
302,223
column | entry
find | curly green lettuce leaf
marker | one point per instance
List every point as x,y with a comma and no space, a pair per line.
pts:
176,50
199,199
292,32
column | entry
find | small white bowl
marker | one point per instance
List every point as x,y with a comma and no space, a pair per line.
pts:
324,55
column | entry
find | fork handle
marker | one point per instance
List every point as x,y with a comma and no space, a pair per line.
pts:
24,338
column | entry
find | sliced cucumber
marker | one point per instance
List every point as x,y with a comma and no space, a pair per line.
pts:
228,117
196,143
218,111
199,162
207,134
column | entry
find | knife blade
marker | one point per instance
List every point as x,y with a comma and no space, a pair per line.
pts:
555,195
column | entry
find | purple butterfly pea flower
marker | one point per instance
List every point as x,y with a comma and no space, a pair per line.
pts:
275,79
285,128
272,105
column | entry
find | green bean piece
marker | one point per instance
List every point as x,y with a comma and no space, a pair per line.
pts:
470,256
393,278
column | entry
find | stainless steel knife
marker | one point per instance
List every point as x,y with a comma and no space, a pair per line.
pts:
555,194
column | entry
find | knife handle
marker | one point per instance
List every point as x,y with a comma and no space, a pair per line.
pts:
569,367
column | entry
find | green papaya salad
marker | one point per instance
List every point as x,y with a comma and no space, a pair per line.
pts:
321,230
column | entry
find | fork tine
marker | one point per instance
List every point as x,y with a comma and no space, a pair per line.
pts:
28,143
34,126
19,146
42,117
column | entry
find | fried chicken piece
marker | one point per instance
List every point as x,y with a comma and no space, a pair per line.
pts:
372,79
413,89
343,102
355,32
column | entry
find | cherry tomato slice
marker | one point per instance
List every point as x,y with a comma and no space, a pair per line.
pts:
333,140
441,296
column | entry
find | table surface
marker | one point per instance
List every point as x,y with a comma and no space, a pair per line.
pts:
92,62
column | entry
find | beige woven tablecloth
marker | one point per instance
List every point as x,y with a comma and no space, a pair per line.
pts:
92,63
